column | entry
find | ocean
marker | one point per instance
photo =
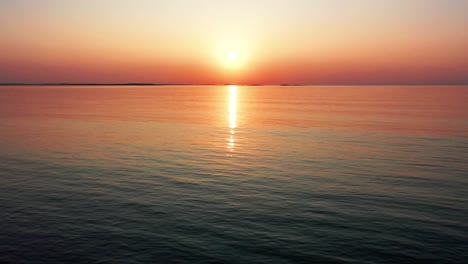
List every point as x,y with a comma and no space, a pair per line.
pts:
233,174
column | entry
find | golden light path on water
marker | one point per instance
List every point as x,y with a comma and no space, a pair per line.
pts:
232,116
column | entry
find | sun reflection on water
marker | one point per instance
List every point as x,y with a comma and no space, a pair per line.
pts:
232,106
232,116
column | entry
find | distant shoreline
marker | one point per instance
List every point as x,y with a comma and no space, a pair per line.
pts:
188,84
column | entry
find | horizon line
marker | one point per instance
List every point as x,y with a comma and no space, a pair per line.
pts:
227,84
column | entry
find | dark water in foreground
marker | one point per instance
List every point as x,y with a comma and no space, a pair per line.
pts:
233,174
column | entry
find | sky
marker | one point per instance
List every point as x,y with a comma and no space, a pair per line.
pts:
238,42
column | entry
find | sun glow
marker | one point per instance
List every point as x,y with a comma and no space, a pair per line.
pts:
233,56
233,59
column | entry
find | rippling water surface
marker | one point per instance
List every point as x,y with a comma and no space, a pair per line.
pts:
228,174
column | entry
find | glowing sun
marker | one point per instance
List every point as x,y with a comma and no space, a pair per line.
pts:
233,56
231,59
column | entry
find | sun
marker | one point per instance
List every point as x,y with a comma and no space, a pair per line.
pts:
233,56
233,59
232,53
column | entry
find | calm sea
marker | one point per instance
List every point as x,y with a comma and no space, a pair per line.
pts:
227,174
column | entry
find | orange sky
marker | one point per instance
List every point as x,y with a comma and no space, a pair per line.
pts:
277,41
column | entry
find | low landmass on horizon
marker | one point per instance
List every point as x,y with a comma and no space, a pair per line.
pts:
205,84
